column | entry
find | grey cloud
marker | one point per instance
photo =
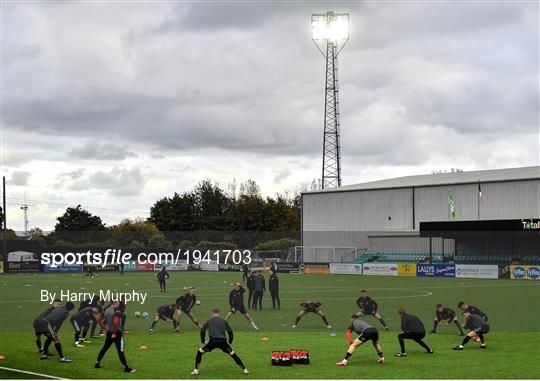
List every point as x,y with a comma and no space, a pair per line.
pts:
21,53
212,16
20,177
117,181
102,151
73,175
246,78
282,175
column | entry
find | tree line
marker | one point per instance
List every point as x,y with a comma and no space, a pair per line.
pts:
204,217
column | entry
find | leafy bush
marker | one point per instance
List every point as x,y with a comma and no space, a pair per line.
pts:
278,244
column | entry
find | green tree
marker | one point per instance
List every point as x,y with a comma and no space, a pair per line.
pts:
212,205
248,213
36,234
79,226
174,213
138,230
278,244
207,245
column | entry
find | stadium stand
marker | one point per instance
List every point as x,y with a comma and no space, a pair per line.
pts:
462,257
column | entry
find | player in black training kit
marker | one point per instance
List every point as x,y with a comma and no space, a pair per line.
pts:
218,329
259,287
98,319
236,302
50,325
115,320
413,329
91,270
186,302
39,327
313,307
81,323
250,284
168,313
366,332
368,306
245,272
273,287
477,326
472,310
445,314
162,276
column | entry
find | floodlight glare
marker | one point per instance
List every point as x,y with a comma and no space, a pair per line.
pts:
336,29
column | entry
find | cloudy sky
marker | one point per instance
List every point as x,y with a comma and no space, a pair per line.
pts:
116,104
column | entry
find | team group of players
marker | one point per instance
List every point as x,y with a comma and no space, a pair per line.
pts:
412,328
112,318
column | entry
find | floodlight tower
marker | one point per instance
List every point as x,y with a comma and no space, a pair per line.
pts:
330,33
24,208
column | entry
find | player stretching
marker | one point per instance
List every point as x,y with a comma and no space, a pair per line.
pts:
413,329
186,303
472,310
81,323
313,307
366,332
94,302
217,328
115,320
41,329
236,302
168,313
51,324
477,326
368,306
162,275
446,314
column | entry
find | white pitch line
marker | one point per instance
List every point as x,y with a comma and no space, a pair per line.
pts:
33,373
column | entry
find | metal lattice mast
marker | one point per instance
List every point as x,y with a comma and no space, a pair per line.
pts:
331,29
331,168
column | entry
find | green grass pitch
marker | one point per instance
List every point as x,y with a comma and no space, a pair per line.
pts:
513,343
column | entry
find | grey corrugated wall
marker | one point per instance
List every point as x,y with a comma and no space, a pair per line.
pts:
346,218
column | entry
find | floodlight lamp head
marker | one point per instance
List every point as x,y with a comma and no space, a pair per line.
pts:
330,26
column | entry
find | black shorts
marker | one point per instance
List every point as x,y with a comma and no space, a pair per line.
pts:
311,310
165,317
79,324
217,343
240,309
184,311
369,334
483,329
42,326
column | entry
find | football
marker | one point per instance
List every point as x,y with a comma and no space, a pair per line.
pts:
137,313
198,302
